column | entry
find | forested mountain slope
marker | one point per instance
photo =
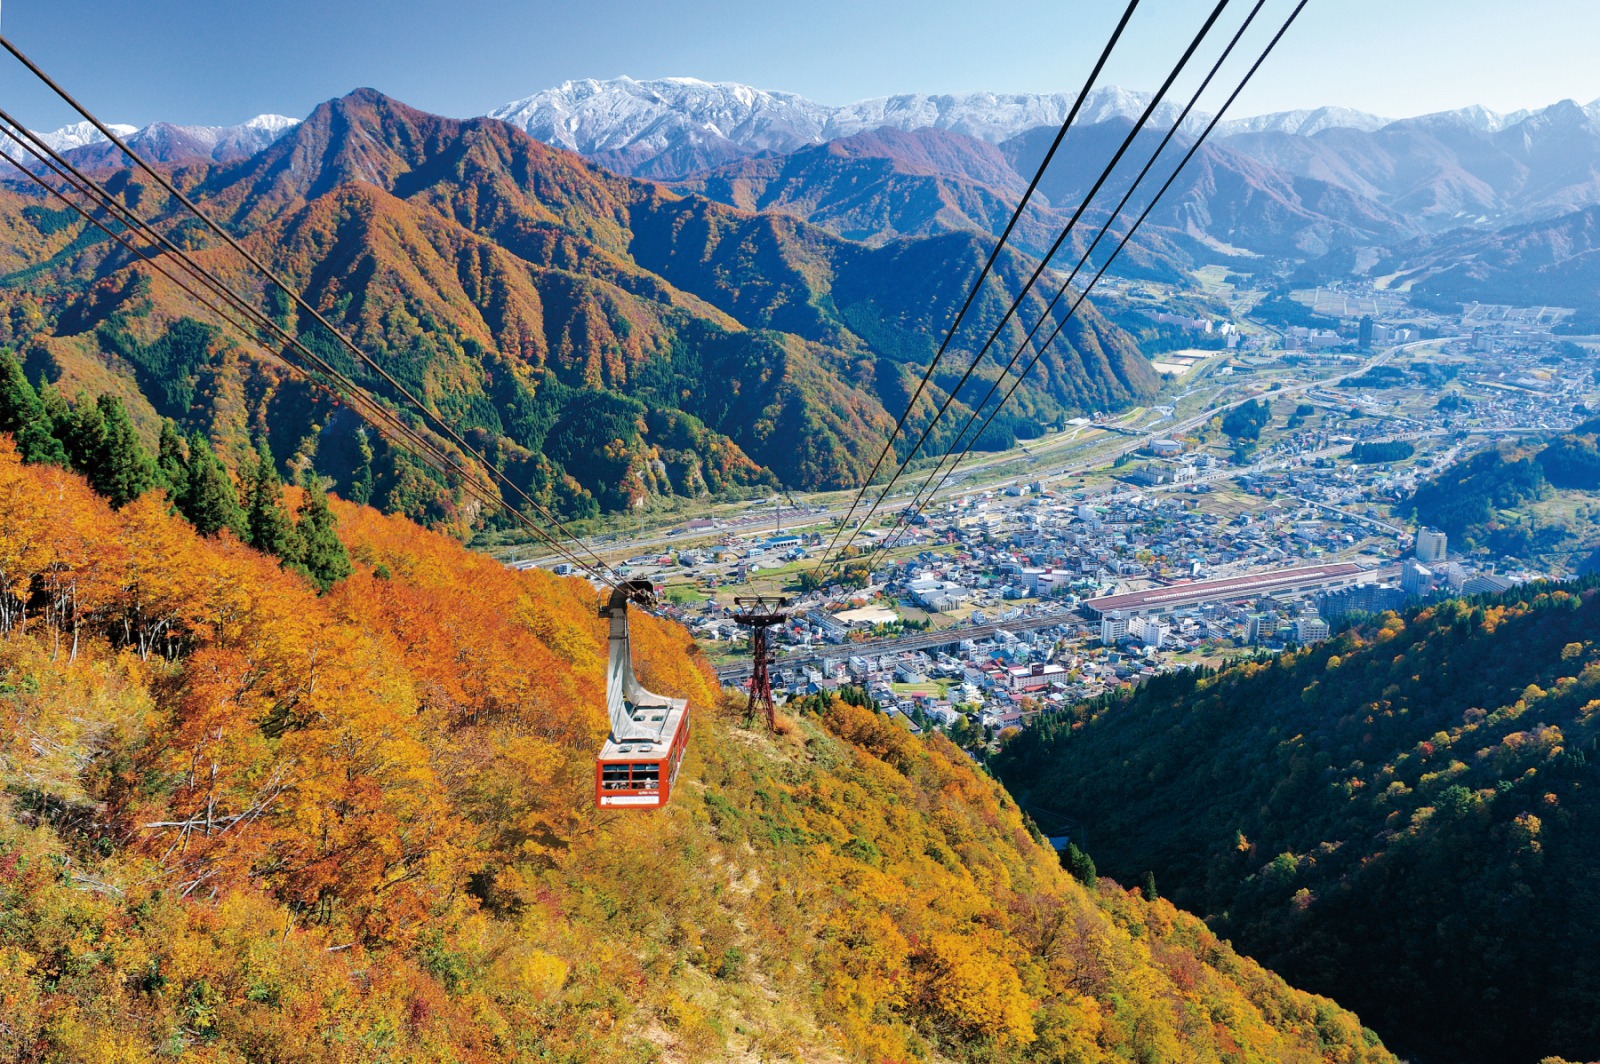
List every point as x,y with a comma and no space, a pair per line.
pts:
601,339
1404,817
244,821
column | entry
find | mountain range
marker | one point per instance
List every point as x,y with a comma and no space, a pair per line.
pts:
1328,190
570,320
570,315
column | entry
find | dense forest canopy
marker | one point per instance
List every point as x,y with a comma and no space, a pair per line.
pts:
1403,817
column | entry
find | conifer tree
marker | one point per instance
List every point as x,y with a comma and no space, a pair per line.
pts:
83,434
172,460
56,410
24,414
211,502
122,470
1080,864
362,482
270,527
323,556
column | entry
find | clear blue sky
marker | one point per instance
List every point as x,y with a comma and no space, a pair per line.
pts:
222,61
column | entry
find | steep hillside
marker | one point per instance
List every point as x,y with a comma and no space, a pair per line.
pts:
1224,199
1554,262
572,322
882,184
243,821
1404,816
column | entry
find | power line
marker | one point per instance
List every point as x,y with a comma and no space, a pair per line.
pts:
231,241
375,411
1083,259
977,285
1193,149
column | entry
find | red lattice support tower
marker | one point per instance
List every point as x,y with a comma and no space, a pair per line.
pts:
760,614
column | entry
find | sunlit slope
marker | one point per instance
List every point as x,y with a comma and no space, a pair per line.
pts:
605,341
243,822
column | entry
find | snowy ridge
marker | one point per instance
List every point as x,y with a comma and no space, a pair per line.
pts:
168,142
593,116
640,120
650,117
1304,123
80,134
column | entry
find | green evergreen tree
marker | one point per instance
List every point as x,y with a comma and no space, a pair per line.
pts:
55,407
211,502
1150,892
122,470
172,460
83,434
1080,864
270,527
323,556
361,483
23,414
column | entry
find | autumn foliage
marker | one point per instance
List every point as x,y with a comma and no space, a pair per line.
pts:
245,821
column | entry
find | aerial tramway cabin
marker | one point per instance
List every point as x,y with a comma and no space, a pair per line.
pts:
639,763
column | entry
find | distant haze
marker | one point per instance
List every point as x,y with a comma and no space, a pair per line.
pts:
220,64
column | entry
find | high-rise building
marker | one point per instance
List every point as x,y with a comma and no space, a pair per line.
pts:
1365,334
1149,631
1416,579
1112,628
1362,598
1432,546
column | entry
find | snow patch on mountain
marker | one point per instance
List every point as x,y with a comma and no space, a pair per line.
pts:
591,116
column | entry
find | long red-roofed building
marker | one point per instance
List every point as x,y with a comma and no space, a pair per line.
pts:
1193,593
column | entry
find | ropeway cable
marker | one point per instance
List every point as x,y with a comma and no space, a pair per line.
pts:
1083,259
422,408
1193,149
1021,296
988,266
370,408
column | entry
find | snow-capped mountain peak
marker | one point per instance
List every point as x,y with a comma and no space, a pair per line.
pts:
167,142
80,134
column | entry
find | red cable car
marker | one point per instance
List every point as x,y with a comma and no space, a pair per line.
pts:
639,763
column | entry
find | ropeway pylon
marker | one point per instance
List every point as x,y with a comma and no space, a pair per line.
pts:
760,613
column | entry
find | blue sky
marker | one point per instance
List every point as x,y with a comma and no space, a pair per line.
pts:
222,61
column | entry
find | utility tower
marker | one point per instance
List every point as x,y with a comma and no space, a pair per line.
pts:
759,613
